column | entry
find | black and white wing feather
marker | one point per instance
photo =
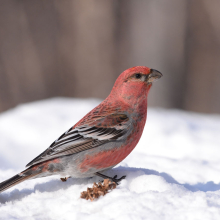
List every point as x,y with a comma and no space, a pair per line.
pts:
84,137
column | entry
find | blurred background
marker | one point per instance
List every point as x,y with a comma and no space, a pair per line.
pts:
76,48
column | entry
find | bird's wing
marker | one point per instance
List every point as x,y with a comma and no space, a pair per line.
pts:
96,132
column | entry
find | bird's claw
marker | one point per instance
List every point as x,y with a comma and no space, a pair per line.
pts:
117,180
113,179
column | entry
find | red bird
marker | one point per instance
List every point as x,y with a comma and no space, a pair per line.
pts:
102,138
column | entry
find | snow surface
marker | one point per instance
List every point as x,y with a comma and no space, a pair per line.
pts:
173,173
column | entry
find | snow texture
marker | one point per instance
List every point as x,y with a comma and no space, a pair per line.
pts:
173,173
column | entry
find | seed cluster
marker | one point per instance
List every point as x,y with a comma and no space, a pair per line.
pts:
98,190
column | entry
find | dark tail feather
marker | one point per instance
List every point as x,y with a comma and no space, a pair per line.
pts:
13,181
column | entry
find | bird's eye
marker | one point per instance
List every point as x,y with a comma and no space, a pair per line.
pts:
137,75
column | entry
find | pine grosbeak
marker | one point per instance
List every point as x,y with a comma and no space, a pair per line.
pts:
101,139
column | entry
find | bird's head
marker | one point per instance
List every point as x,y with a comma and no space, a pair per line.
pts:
135,83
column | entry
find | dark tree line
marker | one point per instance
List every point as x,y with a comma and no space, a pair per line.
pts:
78,48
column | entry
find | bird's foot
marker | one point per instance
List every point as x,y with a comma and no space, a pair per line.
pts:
117,180
113,179
64,179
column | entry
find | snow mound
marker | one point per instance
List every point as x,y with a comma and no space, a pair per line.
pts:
173,173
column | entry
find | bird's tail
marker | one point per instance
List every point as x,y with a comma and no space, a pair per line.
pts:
26,174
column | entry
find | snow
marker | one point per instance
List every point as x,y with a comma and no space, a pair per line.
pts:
173,173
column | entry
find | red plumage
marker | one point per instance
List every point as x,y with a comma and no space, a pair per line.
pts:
103,137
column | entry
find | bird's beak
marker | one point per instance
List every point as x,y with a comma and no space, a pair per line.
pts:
154,75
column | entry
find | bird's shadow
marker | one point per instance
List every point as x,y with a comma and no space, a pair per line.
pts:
130,172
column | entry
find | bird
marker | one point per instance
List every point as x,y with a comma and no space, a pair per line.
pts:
102,138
